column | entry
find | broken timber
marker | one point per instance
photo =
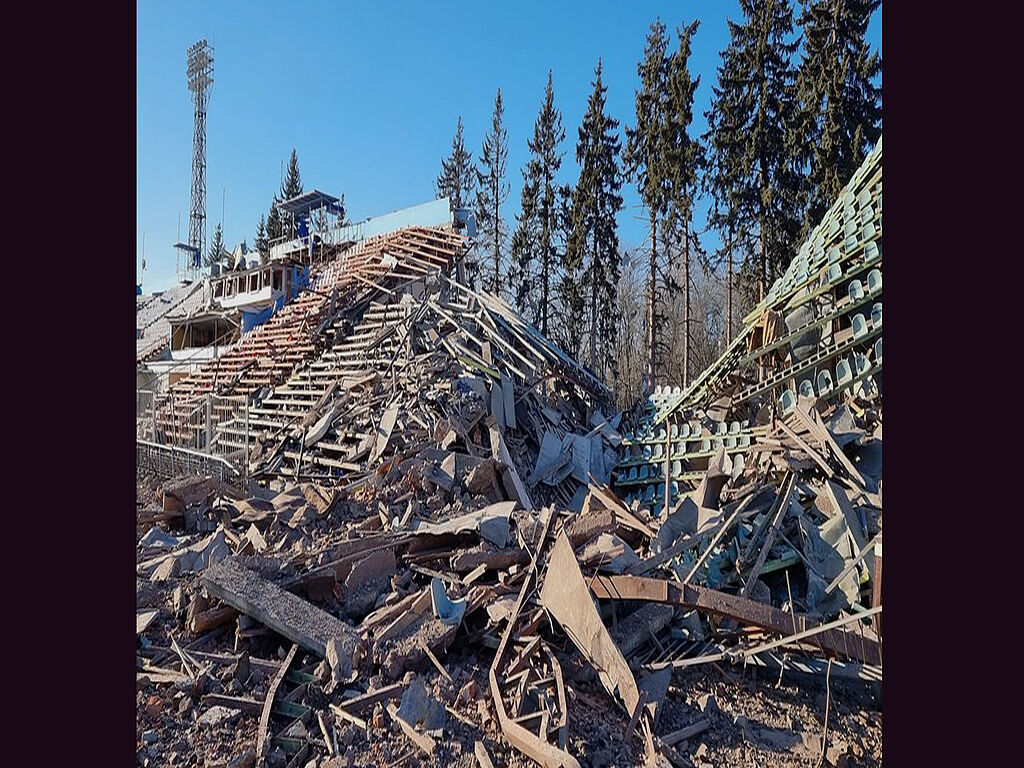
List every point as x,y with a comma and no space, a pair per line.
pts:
528,743
268,703
712,601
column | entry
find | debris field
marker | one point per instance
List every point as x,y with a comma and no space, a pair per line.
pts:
450,549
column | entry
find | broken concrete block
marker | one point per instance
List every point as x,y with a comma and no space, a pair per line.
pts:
217,716
634,630
367,579
418,706
609,553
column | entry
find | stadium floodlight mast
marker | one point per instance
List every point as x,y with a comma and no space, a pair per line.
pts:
200,78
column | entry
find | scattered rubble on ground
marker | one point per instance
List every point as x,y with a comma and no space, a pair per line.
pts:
432,562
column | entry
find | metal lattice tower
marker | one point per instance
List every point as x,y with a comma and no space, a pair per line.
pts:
200,78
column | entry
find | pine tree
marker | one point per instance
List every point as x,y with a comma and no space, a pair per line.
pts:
523,255
458,174
292,187
492,192
275,223
724,178
840,106
537,258
594,237
756,96
216,253
571,308
646,159
260,242
685,161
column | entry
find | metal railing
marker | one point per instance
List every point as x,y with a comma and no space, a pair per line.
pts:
208,431
170,461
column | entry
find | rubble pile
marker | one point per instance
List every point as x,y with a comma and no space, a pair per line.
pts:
441,392
294,624
429,563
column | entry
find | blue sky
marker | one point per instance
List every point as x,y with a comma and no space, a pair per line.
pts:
369,93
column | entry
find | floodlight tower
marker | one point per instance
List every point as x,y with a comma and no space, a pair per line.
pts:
200,78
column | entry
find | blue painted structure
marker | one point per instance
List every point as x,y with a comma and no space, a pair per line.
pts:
299,281
436,213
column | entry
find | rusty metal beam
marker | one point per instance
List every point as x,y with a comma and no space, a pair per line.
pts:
846,642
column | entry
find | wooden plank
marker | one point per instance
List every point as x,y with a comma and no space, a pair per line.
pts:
143,619
482,756
853,563
500,451
346,715
685,733
782,506
807,449
358,702
384,429
508,390
268,703
721,532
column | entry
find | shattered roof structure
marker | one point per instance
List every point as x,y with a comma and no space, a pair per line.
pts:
152,317
814,339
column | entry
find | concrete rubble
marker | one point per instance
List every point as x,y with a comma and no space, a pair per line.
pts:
437,558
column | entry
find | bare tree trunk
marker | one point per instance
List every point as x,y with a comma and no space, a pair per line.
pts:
761,288
497,235
763,277
728,295
544,286
593,312
651,337
686,304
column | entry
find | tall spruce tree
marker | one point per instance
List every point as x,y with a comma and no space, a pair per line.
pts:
260,242
492,191
216,252
457,179
281,227
685,162
539,183
523,257
840,105
646,161
571,309
757,94
594,240
275,224
724,181
291,187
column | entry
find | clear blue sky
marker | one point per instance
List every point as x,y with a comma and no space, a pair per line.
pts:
368,94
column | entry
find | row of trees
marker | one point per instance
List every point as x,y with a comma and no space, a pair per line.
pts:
783,138
269,228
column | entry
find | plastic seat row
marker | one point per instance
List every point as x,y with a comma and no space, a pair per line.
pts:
655,494
855,289
846,372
